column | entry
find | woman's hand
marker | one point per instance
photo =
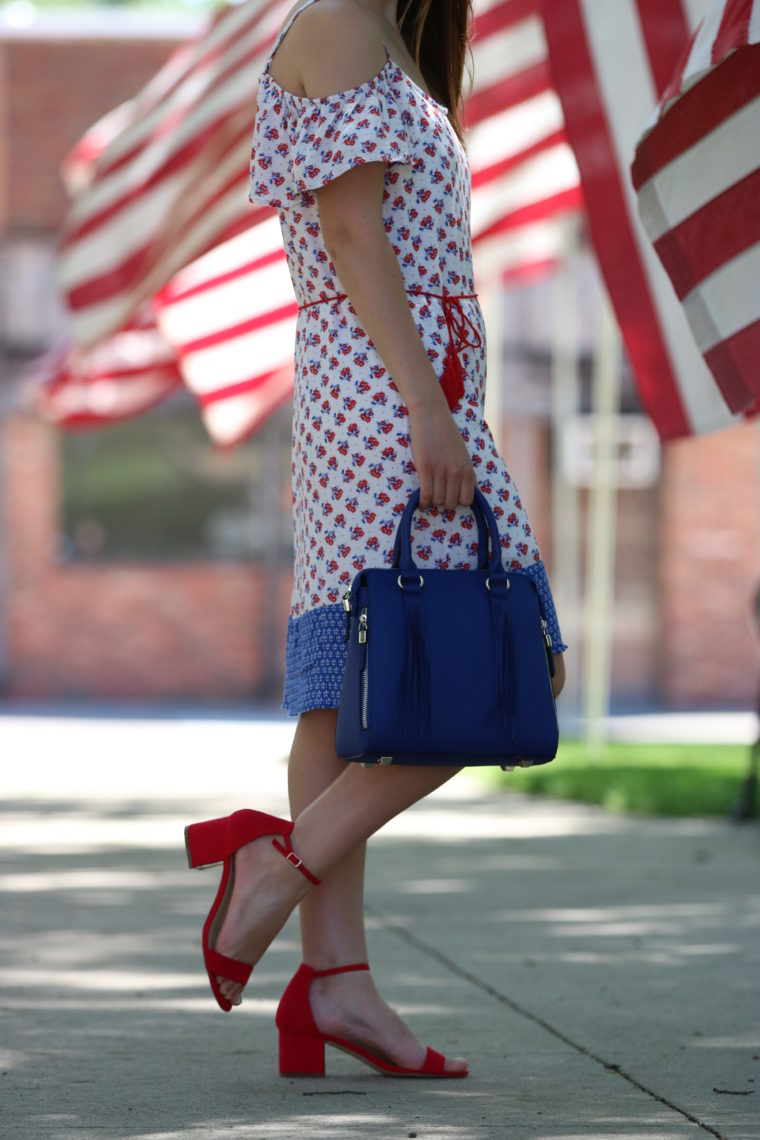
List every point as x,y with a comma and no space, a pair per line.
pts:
444,467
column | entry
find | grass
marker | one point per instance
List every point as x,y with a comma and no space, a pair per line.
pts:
655,779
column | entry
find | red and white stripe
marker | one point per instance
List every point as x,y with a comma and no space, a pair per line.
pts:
697,173
726,27
523,170
611,63
231,317
161,214
171,184
126,375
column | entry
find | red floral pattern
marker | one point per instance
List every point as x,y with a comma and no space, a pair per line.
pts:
351,463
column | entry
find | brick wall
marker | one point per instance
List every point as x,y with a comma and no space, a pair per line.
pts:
708,568
213,632
54,91
201,630
4,111
217,631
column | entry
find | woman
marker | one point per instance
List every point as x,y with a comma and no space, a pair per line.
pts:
357,142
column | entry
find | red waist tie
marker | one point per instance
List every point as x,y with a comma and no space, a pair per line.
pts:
461,330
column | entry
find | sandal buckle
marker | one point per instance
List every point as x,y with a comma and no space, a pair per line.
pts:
294,859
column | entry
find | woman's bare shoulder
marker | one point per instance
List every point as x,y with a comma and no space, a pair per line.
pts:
333,45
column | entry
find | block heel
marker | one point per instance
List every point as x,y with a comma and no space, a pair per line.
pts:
302,1046
301,1056
216,841
204,842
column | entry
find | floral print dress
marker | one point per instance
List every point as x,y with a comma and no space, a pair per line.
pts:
352,468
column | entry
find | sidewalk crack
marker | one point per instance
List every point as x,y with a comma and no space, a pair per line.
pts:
485,987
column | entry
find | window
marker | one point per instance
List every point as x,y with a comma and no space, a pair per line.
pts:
155,488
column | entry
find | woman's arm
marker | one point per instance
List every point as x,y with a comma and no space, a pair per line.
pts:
333,46
352,228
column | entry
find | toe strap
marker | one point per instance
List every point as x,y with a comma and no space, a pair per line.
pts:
435,1062
226,967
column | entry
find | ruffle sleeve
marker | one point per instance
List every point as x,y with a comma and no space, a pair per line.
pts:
300,144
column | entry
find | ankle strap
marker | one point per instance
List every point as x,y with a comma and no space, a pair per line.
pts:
341,969
285,848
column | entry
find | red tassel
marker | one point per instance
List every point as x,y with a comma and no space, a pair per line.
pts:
452,380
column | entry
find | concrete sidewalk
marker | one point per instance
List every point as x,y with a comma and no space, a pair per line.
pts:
600,973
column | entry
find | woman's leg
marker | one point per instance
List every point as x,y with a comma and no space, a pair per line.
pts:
558,680
333,827
351,808
332,918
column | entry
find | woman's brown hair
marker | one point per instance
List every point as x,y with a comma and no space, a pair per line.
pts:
438,44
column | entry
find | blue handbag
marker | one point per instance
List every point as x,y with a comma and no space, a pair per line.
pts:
446,667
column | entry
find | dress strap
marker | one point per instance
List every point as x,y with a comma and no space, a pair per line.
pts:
288,25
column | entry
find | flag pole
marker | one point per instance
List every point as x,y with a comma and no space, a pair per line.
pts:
601,531
565,403
491,298
7,402
3,547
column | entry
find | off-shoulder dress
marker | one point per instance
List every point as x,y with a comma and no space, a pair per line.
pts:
352,468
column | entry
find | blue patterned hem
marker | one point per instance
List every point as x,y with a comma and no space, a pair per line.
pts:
315,658
537,572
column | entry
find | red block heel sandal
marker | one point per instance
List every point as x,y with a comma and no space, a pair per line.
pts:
302,1046
216,841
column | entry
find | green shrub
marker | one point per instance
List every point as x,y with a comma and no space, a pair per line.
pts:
655,779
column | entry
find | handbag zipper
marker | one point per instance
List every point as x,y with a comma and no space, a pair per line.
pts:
347,612
545,628
549,649
365,668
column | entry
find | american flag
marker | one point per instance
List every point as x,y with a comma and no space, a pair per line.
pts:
169,273
611,63
697,174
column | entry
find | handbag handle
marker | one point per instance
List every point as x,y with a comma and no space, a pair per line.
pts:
484,516
482,537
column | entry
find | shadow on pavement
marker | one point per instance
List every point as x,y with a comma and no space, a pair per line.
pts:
599,973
